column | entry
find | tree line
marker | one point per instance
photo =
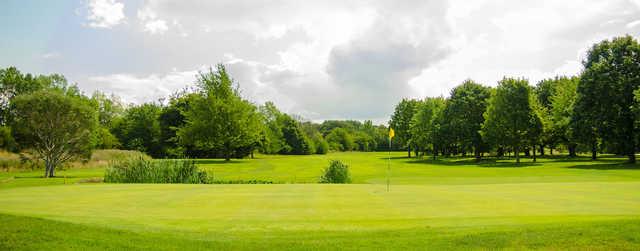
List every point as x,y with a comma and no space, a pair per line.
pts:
52,120
596,111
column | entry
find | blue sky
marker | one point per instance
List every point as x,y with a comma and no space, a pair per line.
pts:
319,59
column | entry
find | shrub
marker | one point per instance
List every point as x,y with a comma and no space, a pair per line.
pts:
337,172
141,170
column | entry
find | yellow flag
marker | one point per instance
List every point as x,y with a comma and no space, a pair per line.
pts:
391,133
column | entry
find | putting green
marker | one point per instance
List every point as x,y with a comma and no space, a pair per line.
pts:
197,208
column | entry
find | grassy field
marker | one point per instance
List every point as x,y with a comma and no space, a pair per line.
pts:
556,203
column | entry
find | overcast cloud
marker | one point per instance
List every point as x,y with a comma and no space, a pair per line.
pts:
321,59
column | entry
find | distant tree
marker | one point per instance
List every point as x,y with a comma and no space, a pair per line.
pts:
273,139
139,129
218,120
322,146
56,125
544,91
605,95
13,83
561,111
109,109
464,115
340,139
401,122
295,137
509,117
425,124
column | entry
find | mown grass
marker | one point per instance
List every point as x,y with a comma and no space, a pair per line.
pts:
26,233
556,203
371,168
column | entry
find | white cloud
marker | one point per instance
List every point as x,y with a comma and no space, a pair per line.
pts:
156,26
140,89
105,13
151,23
633,24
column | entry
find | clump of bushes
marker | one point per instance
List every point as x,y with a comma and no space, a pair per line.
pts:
142,170
337,172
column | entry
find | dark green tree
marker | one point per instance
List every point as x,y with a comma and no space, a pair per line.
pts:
464,116
510,119
139,129
401,122
605,95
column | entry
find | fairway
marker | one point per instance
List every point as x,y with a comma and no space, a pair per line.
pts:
555,203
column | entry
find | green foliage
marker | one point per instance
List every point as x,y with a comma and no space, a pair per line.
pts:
142,170
273,140
463,116
109,109
510,119
139,129
426,124
294,137
337,172
57,126
340,139
605,95
322,146
6,139
401,122
218,122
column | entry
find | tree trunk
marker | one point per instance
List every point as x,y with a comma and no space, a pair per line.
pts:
572,150
632,158
541,150
252,154
516,153
500,152
550,150
477,153
51,174
46,169
527,153
409,151
594,150
534,152
435,152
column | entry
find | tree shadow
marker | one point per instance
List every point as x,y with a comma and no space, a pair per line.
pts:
216,161
608,166
484,163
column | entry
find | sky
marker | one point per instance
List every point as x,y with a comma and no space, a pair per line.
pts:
332,59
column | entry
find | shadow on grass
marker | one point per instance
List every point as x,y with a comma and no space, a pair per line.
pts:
217,161
486,163
606,166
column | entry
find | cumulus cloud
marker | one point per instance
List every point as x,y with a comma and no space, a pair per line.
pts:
140,89
105,13
355,59
633,24
151,22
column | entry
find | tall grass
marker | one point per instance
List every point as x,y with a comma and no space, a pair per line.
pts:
142,170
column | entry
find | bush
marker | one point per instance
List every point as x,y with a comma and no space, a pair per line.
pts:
141,170
337,172
322,147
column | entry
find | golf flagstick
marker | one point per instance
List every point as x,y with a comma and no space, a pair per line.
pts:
391,134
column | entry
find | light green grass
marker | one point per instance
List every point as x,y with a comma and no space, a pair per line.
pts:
372,167
448,204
